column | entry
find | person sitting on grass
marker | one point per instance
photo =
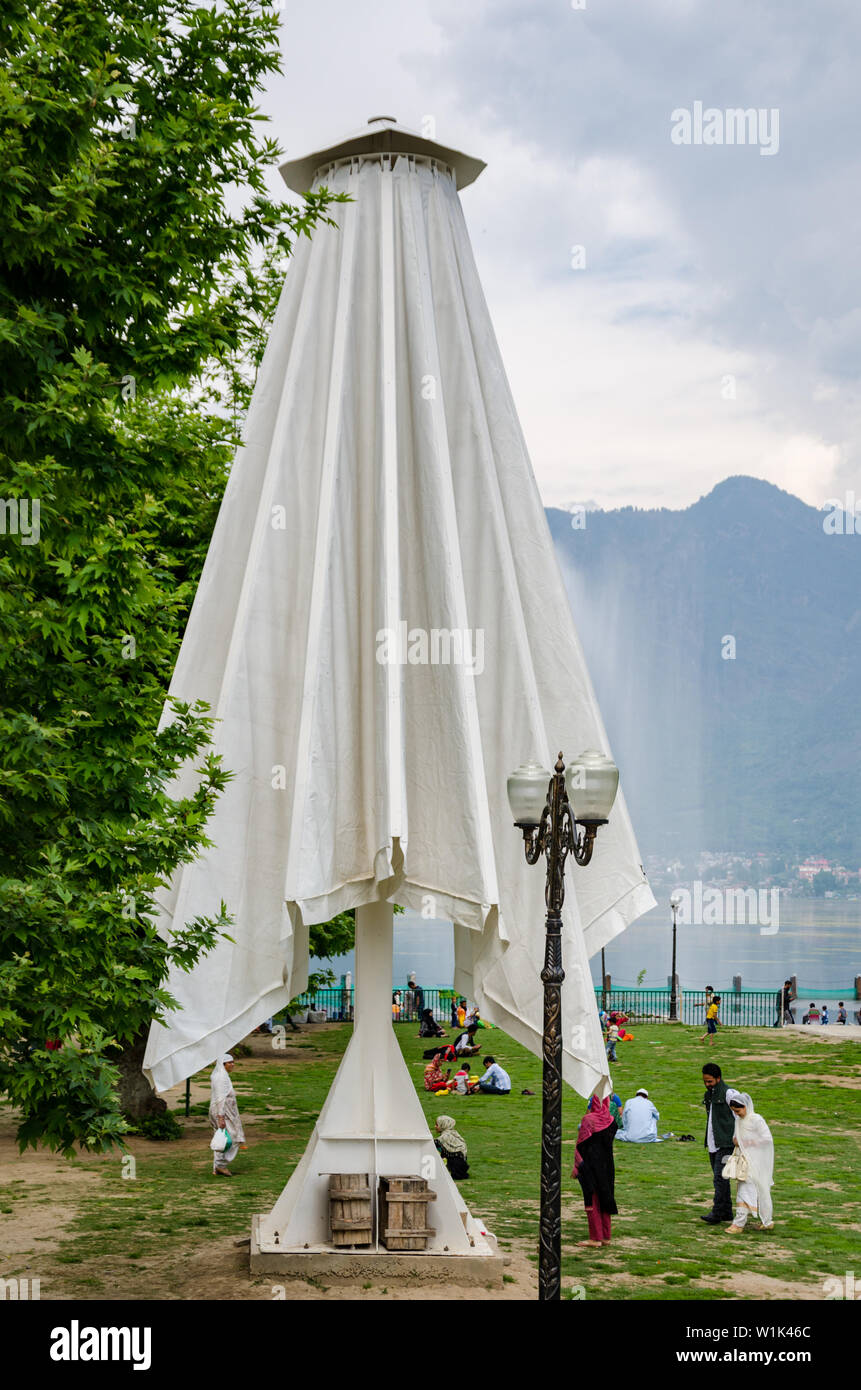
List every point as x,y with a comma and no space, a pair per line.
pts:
495,1081
462,1082
639,1120
465,1044
752,1139
435,1080
429,1027
452,1146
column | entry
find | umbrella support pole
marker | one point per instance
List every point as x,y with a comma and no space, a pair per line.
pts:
372,1122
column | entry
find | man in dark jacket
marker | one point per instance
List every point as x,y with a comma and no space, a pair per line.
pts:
720,1125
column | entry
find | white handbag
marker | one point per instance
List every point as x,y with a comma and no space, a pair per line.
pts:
220,1141
736,1166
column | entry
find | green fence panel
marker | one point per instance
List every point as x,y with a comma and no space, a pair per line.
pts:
338,1003
747,1008
738,1008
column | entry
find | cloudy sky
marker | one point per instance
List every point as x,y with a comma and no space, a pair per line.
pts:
715,327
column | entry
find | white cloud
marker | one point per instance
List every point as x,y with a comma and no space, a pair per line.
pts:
701,263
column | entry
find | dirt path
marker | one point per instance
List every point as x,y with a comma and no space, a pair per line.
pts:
42,1194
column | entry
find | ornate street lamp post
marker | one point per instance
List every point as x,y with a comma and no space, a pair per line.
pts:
675,904
556,820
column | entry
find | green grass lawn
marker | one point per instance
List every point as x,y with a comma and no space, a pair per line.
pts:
139,1238
661,1249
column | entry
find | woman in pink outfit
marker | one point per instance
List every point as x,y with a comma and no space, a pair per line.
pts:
595,1170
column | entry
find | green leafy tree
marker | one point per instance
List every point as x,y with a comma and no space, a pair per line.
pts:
824,881
335,938
135,290
326,940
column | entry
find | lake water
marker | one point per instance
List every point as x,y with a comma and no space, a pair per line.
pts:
818,940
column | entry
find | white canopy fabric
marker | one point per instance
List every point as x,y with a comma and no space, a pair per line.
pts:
383,633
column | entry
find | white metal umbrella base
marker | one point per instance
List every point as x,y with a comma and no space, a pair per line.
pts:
372,1122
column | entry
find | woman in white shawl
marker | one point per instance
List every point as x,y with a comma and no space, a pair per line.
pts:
753,1139
224,1114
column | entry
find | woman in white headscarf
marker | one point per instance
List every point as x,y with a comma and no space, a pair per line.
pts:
452,1146
224,1115
753,1140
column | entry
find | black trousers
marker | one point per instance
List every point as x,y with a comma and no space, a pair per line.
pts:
722,1205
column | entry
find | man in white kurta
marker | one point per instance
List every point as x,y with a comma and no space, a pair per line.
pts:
639,1120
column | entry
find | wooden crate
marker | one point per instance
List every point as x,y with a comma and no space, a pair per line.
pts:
403,1213
350,1214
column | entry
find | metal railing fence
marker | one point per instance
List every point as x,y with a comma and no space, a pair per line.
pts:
747,1008
337,1003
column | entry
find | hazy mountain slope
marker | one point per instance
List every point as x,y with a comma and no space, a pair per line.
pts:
762,751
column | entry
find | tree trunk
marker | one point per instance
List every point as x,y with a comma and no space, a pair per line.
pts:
137,1097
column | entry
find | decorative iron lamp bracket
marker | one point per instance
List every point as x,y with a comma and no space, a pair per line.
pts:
557,835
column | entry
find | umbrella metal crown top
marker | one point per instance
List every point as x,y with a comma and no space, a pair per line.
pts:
382,135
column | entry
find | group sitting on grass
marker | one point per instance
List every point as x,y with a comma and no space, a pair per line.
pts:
494,1082
816,1015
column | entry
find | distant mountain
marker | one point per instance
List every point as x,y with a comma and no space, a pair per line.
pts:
762,751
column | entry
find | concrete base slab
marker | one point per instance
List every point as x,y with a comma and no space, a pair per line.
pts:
376,1266
832,1032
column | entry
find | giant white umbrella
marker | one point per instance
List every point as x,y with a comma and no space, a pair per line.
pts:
382,631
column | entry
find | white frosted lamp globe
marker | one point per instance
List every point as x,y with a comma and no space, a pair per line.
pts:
591,782
527,793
